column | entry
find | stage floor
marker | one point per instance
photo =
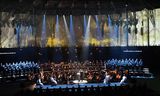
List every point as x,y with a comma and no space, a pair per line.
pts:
79,85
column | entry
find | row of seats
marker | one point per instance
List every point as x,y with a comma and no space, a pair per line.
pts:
125,62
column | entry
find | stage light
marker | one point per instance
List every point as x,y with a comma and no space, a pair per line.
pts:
86,37
43,35
111,33
18,34
72,33
99,32
57,35
29,35
67,31
71,37
85,24
85,49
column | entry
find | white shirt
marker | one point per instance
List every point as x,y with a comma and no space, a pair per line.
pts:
106,79
124,78
40,82
53,80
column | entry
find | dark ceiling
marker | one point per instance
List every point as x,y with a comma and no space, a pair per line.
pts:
76,6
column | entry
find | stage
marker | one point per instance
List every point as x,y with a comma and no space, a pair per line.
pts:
64,86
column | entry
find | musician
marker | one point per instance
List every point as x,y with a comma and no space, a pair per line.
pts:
89,77
80,75
118,77
123,80
39,80
98,78
53,80
107,78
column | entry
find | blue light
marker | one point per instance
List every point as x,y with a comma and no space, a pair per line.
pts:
86,37
116,34
57,27
110,26
99,33
85,49
85,24
30,30
72,31
18,35
43,35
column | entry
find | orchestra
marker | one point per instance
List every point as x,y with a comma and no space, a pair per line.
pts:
70,73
